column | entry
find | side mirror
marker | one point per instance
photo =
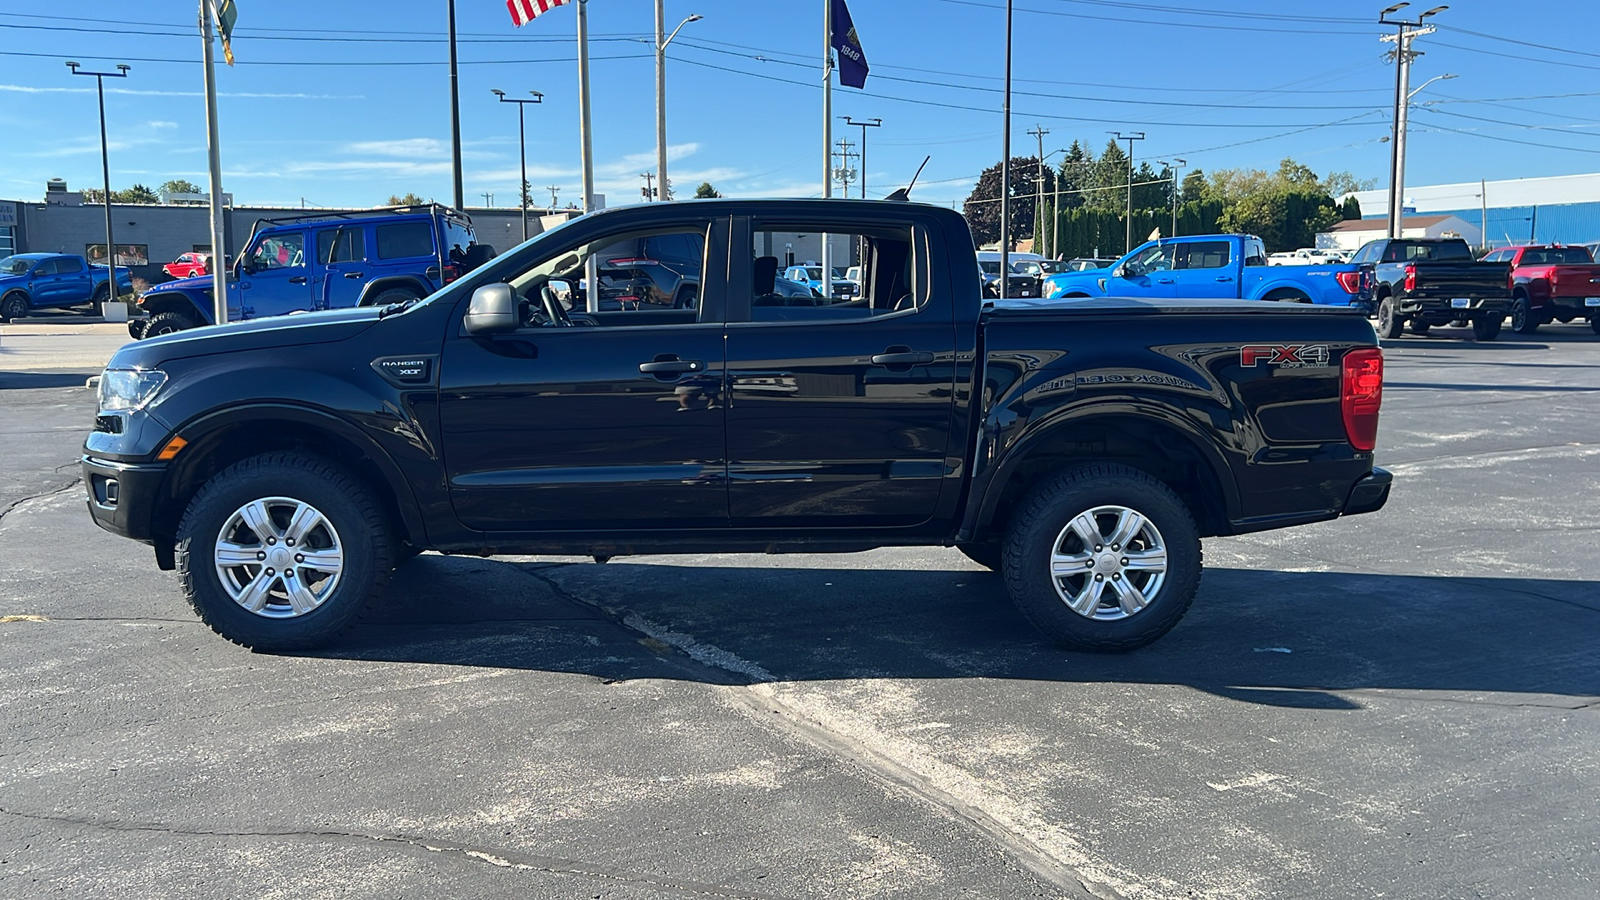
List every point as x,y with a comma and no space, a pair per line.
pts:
493,310
1121,271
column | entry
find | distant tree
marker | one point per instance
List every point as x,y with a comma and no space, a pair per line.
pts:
1109,176
180,186
527,195
136,194
409,199
1338,184
1351,209
982,208
1194,186
705,191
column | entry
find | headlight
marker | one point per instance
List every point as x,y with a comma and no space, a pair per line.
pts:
127,390
1051,290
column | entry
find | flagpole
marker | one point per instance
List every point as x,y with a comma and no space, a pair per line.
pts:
219,247
827,135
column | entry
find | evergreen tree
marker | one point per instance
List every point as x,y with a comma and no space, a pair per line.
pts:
180,186
1351,209
705,191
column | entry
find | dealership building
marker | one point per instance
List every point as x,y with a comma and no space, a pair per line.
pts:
1560,209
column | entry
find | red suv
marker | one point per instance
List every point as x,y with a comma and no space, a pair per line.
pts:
188,265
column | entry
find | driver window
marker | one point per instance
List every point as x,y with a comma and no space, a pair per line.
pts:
280,251
642,278
1155,259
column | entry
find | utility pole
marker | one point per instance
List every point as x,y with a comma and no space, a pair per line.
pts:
843,173
662,40
1039,131
874,123
649,189
488,198
827,138
1175,165
105,162
455,113
1483,210
522,146
1005,169
554,192
1407,31
1130,138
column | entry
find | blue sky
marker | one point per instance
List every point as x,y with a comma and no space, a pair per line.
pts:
1242,83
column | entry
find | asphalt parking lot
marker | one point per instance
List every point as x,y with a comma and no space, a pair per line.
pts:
1399,705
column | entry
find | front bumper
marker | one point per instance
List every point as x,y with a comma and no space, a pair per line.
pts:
1370,493
123,496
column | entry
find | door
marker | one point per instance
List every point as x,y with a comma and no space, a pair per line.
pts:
1205,270
613,422
277,276
1147,273
73,281
839,410
44,285
341,266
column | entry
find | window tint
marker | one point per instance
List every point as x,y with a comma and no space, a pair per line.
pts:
887,280
1203,255
341,245
1556,256
279,251
1408,251
68,265
47,267
633,287
1152,259
457,234
404,240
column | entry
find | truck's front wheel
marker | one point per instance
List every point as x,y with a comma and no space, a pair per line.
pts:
167,323
282,551
1103,558
1389,323
13,307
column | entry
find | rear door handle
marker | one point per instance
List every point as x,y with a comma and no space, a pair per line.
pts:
671,366
298,279
902,358
355,274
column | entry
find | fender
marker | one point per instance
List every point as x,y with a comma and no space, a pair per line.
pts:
177,300
411,282
405,501
1299,287
980,514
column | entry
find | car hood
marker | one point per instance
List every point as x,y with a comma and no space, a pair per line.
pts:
198,282
9,280
296,329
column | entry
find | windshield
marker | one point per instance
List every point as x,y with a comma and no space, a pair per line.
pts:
814,273
14,265
989,267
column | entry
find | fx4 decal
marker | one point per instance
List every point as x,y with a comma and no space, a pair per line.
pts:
1288,356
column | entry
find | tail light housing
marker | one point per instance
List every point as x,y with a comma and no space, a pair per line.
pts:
1360,396
451,272
1350,281
1411,279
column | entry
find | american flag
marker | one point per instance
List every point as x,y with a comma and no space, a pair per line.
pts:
525,11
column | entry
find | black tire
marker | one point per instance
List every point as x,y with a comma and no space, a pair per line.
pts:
97,303
1487,328
990,556
359,530
1418,327
1523,318
1044,526
1594,325
1389,325
688,298
390,295
13,307
136,328
167,323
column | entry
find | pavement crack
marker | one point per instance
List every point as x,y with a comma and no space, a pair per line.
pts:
61,489
509,860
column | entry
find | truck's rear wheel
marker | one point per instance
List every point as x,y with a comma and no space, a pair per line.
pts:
97,303
389,296
1523,320
1389,324
167,323
1594,324
282,551
1487,328
1103,558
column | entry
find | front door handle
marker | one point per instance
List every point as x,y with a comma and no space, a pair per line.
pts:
672,366
298,279
1224,278
355,274
1166,281
897,356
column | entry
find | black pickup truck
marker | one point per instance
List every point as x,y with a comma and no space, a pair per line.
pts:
1434,281
284,467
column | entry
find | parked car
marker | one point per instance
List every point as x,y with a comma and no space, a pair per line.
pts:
325,261
1021,283
285,466
30,281
1085,263
188,265
1212,266
1551,283
653,272
810,275
1425,282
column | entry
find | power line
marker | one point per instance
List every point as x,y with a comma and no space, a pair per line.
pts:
1503,39
1491,137
1126,21
1521,58
314,63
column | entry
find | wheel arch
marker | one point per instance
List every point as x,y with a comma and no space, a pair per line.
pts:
408,282
180,302
1172,454
219,439
17,292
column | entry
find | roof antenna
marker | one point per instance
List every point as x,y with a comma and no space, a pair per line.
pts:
904,194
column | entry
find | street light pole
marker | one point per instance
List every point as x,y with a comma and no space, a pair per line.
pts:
105,164
455,114
1130,138
875,123
661,94
1407,31
524,188
1039,131
1175,165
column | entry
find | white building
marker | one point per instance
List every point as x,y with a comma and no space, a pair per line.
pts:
1351,235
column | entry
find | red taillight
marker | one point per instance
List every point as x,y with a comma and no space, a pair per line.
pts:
451,273
1411,279
1360,396
1350,281
1554,273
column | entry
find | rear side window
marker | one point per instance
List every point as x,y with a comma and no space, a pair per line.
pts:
1203,255
68,265
341,245
457,234
889,282
404,240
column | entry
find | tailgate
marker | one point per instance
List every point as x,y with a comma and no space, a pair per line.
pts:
1575,281
1462,279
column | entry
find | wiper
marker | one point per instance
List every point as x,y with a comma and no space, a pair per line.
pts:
393,308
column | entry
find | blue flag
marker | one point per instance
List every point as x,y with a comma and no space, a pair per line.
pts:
852,60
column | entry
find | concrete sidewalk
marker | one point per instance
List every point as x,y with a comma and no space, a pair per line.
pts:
59,346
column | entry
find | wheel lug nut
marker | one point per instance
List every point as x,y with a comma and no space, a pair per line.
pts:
260,555
1124,562
299,558
1116,547
1115,576
270,572
1098,548
1099,578
1089,564
289,541
271,541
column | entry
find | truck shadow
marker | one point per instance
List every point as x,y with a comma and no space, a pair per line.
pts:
1297,639
22,381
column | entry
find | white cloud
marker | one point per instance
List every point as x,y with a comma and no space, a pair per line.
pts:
163,124
431,148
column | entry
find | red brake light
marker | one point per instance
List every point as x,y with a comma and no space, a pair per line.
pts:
1411,279
1350,281
451,273
1361,395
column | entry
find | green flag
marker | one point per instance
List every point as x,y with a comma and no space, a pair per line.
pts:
226,14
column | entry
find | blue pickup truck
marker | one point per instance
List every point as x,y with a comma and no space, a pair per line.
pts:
30,281
1217,266
325,261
